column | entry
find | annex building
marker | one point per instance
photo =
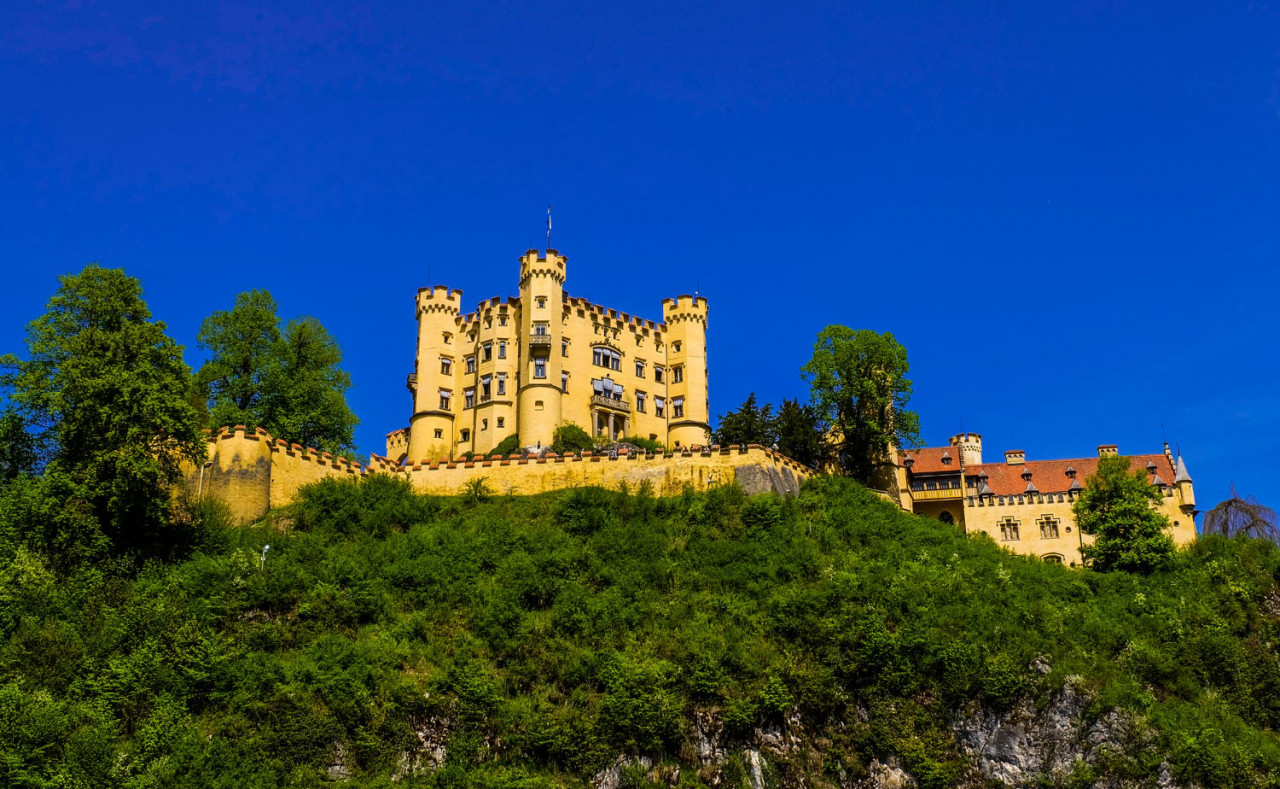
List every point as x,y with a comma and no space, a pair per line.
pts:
526,365
1025,505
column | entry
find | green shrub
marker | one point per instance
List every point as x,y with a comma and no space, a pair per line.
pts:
508,446
569,438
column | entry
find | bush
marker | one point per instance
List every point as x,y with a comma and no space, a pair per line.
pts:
571,438
507,446
650,445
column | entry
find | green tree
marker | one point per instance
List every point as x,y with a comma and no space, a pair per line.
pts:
1117,507
571,438
18,453
288,382
241,343
304,395
801,435
858,380
750,424
107,389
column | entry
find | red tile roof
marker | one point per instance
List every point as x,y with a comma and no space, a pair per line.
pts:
1050,476
928,460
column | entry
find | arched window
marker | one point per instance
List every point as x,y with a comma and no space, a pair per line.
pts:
946,518
1052,558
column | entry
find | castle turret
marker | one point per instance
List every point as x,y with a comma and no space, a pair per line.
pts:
435,404
1182,480
970,446
688,414
542,304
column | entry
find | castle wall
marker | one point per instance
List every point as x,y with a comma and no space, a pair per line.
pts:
253,472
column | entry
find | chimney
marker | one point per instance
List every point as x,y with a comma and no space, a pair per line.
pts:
1108,450
1015,457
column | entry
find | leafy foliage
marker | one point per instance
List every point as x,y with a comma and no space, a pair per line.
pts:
106,389
507,446
858,382
650,445
1117,507
528,641
571,438
289,382
18,451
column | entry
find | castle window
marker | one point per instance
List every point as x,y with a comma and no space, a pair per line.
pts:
946,517
439,433
1053,558
446,365
465,435
502,320
540,328
471,364
502,349
537,405
564,382
1009,529
539,368
542,301
677,373
502,422
484,424
446,397
659,373
675,347
639,369
640,402
1048,527
469,397
677,407
502,383
448,338
485,388
606,357
488,351
659,407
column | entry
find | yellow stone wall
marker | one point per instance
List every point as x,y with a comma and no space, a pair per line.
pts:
253,472
544,330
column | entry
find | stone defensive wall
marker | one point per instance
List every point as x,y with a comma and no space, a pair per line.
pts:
253,472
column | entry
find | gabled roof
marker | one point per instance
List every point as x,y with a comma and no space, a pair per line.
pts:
929,460
1050,476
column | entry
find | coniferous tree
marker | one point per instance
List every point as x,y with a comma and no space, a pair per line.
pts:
750,424
859,385
1117,508
801,434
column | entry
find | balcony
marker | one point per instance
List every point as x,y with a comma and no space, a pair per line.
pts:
540,343
412,382
605,401
942,493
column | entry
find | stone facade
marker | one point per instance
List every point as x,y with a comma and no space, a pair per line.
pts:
526,365
1025,505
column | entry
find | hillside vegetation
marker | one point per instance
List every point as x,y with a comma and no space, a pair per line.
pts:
532,641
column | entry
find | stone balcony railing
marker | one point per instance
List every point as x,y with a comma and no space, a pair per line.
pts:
606,401
539,342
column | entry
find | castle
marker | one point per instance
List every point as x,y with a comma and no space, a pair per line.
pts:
526,365
1025,505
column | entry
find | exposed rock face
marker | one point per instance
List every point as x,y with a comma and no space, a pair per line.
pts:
433,737
1023,745
887,775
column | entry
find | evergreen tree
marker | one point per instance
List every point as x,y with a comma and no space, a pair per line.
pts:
801,435
288,382
106,388
1117,507
750,424
859,386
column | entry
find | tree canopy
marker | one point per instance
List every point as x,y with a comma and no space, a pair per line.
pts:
859,386
801,434
289,382
1239,516
1116,507
106,389
750,424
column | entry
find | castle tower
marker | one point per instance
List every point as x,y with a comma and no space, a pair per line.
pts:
686,349
431,429
541,315
970,446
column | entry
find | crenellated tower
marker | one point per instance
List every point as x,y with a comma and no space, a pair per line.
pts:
431,428
686,352
970,446
541,317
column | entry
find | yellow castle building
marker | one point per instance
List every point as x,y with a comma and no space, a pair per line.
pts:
1025,505
526,365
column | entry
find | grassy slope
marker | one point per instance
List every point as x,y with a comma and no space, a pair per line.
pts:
554,632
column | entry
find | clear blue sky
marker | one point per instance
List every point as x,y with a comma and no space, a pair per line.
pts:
1067,212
